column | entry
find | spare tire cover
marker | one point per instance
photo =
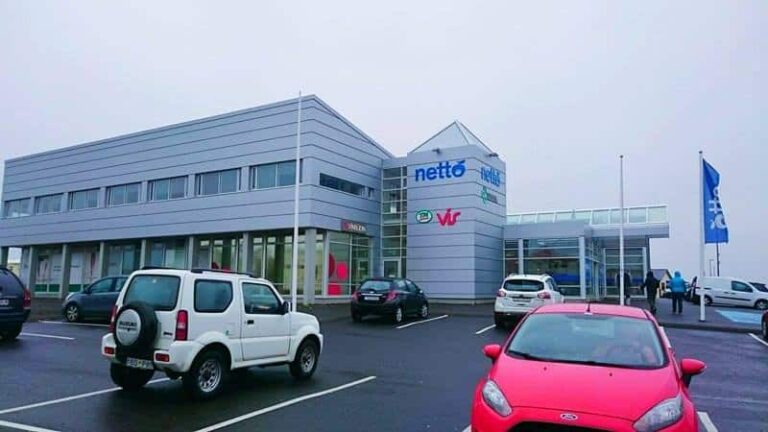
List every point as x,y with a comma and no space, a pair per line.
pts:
135,327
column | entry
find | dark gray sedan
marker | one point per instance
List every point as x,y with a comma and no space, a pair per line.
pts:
95,301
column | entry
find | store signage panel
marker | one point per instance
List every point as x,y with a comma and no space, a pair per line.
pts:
442,170
354,227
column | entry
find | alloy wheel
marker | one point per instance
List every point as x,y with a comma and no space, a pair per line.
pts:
762,305
399,314
424,310
72,313
209,375
307,359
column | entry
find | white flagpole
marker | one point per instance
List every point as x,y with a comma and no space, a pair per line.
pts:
702,313
295,258
621,230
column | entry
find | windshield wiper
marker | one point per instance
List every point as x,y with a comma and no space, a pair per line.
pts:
529,356
598,363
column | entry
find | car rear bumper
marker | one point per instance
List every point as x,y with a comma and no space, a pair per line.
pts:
13,319
180,354
374,309
503,308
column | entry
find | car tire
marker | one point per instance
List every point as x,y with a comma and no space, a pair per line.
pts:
10,335
356,317
129,379
398,316
707,301
761,305
304,364
424,311
500,323
207,376
72,313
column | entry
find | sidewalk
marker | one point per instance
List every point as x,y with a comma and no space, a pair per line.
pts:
689,319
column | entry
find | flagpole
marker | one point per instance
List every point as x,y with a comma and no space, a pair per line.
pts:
621,230
295,257
699,280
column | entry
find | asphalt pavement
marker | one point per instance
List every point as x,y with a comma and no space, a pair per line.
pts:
372,376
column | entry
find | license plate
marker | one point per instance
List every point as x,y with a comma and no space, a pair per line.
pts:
371,298
139,363
4,302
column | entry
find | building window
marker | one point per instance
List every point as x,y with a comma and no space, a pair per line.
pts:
169,188
84,199
168,253
48,204
123,194
273,175
218,182
342,185
16,208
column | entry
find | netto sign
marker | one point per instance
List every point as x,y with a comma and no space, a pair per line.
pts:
443,170
491,175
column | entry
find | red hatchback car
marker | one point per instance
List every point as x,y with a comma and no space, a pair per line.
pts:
579,367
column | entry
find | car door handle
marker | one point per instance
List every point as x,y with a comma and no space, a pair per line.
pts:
249,322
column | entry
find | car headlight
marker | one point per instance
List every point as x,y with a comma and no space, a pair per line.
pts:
662,415
495,399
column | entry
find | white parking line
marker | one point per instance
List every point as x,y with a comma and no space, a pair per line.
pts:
485,329
468,429
47,336
74,324
24,427
757,338
284,404
70,398
421,322
707,422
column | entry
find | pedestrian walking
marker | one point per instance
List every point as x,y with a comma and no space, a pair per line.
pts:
651,285
677,287
627,288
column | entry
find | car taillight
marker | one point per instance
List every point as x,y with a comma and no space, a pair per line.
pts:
27,299
391,295
501,293
163,357
112,319
544,295
182,325
109,351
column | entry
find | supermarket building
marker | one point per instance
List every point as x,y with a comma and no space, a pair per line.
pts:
218,193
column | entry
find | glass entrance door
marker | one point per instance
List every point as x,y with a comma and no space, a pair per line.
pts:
392,268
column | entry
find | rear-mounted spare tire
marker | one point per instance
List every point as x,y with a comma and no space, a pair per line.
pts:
135,329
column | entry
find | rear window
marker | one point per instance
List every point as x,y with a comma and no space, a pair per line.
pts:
376,286
524,285
212,295
160,292
9,283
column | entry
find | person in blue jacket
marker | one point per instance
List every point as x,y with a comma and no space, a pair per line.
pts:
677,287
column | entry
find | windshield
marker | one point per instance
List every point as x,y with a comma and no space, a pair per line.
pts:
759,286
160,292
524,285
378,286
590,339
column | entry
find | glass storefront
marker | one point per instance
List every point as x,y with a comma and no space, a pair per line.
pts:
511,258
272,257
349,262
218,253
634,265
558,258
123,259
171,253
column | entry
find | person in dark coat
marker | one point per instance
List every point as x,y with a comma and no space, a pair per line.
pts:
651,285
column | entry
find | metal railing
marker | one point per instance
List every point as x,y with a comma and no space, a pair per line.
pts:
655,214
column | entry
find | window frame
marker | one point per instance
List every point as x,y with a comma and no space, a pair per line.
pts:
164,276
362,188
110,288
199,182
12,205
169,180
40,199
124,187
194,296
747,289
276,311
253,174
72,195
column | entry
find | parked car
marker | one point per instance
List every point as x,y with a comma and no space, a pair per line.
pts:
15,305
95,301
199,325
391,297
731,291
520,294
765,325
760,286
571,367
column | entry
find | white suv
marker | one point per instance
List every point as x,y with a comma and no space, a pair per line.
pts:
199,325
520,294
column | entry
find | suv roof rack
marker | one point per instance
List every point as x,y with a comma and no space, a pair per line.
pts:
201,270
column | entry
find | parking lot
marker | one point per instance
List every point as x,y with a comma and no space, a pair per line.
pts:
375,375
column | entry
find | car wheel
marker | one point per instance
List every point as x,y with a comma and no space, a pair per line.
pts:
304,364
398,316
9,335
765,330
72,313
424,312
205,379
761,305
500,323
707,301
128,378
356,317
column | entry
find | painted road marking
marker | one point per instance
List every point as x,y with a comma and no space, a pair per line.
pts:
70,398
24,427
707,422
47,336
757,338
285,404
485,329
422,322
741,317
74,324
468,429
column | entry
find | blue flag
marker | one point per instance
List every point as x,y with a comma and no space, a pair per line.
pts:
715,229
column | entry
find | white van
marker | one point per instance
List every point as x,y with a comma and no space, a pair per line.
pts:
733,292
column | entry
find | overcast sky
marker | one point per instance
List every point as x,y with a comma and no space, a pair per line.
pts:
559,89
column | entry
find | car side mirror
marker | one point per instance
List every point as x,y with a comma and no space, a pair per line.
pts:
285,307
492,351
691,368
